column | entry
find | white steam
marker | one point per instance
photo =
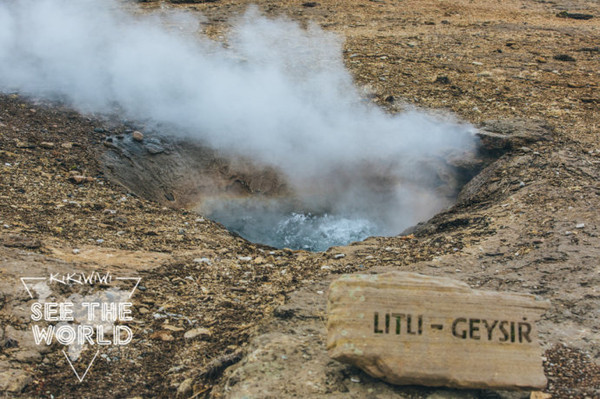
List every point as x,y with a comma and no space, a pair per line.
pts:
276,93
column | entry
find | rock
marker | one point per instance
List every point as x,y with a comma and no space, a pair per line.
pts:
451,395
407,328
154,148
162,335
28,356
504,134
172,328
13,380
137,136
67,145
540,395
19,241
21,144
580,225
47,145
442,80
78,179
574,15
564,57
197,332
185,388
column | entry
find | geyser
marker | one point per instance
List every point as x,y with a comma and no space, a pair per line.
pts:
275,93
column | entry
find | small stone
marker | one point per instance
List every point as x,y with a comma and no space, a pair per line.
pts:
22,144
197,332
47,145
564,57
76,251
539,395
172,328
580,225
477,63
185,388
28,356
574,15
137,136
162,335
99,130
143,310
339,256
442,80
541,60
67,145
19,241
78,179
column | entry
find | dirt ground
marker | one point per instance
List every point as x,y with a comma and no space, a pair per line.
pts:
528,223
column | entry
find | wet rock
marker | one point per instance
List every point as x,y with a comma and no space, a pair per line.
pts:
407,328
154,148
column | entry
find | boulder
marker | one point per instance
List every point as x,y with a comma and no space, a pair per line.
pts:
411,329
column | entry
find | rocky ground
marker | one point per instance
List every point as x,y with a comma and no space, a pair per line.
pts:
209,300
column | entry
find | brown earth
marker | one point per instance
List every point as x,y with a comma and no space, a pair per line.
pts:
528,223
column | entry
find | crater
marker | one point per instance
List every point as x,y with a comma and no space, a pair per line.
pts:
259,202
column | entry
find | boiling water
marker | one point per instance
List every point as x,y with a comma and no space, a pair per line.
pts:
295,230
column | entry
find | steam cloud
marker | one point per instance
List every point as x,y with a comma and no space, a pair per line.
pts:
276,93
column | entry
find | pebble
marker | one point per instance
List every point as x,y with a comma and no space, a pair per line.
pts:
137,136
580,226
185,388
76,251
339,256
162,335
197,332
46,144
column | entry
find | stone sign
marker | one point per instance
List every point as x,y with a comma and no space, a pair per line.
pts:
407,328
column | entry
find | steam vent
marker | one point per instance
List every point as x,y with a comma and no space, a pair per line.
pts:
270,199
